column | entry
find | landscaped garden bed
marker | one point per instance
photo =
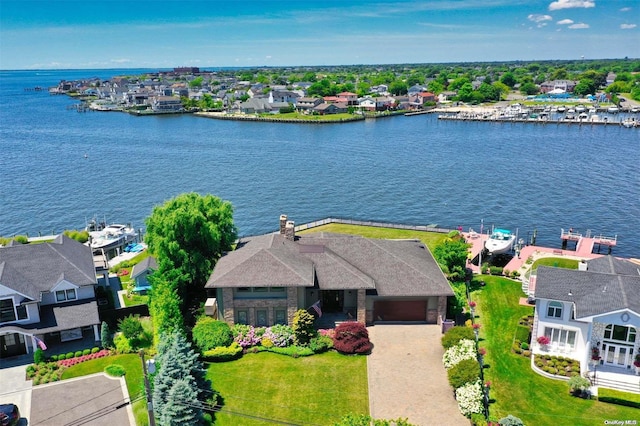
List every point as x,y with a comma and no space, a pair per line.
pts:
557,365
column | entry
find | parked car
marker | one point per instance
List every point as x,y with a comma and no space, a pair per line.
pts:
9,415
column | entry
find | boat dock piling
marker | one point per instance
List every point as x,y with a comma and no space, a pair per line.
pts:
586,243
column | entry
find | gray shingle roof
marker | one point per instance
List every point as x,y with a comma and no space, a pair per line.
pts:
593,292
81,313
393,268
148,262
31,269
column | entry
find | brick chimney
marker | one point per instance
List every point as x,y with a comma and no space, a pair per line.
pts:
290,230
283,223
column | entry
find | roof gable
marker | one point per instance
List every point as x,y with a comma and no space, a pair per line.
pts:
31,269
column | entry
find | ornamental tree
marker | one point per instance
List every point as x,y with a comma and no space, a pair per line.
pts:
187,235
352,338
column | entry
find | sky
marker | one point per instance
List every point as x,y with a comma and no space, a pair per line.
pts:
86,34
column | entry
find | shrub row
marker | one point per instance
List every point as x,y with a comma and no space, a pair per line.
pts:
83,358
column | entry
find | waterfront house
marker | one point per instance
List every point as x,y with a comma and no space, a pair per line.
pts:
166,104
566,86
591,314
331,108
267,278
141,272
47,293
306,103
283,96
349,97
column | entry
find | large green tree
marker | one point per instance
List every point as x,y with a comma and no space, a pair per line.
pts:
187,235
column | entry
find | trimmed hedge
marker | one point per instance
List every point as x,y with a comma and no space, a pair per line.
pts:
612,396
223,353
115,370
453,336
466,371
209,334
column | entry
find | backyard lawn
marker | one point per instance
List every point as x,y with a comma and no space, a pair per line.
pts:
315,390
516,389
431,239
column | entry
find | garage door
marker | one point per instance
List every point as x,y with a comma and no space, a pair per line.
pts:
400,310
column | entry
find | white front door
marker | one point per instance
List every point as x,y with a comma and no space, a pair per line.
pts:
617,355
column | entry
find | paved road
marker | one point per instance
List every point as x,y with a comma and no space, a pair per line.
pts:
407,378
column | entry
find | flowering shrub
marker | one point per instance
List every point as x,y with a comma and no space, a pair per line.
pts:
280,335
466,349
329,332
472,304
82,358
544,340
476,326
469,398
247,335
482,351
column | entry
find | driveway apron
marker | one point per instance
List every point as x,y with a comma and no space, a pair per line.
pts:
15,389
407,378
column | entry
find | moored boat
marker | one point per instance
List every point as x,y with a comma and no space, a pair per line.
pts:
111,236
500,241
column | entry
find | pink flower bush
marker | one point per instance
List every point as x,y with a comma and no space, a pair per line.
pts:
476,326
544,340
472,304
482,351
487,385
329,332
77,360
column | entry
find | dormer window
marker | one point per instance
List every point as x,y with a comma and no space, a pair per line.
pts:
64,295
554,310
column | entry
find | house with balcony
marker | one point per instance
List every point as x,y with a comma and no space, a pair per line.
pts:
591,314
267,278
47,293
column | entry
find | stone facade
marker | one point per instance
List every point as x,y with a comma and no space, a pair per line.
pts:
231,305
361,314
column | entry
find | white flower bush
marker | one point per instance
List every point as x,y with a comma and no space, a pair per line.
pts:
466,349
469,398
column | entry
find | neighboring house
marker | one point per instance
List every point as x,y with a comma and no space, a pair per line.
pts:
283,96
327,108
595,307
166,104
47,291
141,272
351,98
255,106
267,278
306,103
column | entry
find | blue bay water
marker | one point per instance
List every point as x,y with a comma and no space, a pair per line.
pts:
416,170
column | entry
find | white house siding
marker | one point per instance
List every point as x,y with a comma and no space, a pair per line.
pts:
581,329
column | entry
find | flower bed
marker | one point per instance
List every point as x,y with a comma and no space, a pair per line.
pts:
78,359
557,365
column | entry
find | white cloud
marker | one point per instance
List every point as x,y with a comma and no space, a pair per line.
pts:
625,9
120,61
539,18
579,26
570,4
565,22
627,26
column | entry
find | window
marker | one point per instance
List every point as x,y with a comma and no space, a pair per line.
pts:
7,311
620,333
560,338
243,316
554,310
281,316
261,317
22,312
62,295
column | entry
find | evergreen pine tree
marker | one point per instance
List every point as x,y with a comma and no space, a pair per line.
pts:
182,404
105,335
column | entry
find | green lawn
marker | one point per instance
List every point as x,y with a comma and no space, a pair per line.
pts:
516,389
315,390
431,239
135,382
555,262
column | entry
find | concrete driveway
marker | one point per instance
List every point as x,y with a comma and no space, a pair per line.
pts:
407,378
15,389
96,400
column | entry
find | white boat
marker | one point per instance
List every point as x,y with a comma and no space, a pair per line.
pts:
111,236
580,109
629,122
500,241
561,109
613,110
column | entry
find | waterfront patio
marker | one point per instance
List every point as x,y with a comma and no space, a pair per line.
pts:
623,379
